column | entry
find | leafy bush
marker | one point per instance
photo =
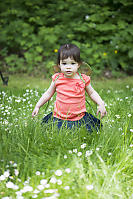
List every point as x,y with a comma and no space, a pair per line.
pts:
32,31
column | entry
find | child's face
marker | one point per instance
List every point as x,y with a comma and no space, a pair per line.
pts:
69,67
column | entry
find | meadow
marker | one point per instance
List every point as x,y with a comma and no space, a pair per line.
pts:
41,162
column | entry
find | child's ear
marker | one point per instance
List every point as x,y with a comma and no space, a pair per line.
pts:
57,68
79,65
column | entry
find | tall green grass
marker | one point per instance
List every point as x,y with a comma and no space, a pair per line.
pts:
42,162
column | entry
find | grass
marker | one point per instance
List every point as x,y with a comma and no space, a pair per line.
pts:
42,162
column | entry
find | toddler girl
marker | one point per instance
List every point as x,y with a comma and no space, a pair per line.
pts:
70,86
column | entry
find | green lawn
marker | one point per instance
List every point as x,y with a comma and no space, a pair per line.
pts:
42,162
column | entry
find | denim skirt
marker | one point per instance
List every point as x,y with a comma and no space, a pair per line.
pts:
90,122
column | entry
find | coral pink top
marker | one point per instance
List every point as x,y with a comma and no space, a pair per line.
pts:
70,99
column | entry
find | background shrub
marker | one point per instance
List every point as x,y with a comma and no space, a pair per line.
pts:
31,31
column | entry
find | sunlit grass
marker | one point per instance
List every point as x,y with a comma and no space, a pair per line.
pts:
25,81
42,162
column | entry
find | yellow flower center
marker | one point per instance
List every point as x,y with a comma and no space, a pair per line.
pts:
55,50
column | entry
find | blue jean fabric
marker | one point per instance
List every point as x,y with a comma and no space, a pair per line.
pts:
89,121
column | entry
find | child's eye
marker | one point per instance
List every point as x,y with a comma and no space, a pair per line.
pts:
64,63
73,63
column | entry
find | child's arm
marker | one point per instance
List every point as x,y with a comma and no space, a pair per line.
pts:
97,99
45,97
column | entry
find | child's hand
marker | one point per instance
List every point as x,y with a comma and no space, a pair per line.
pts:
35,111
102,110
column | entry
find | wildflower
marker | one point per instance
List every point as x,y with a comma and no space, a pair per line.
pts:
108,91
55,195
50,190
11,177
89,187
27,189
6,122
16,172
43,173
43,182
53,180
131,130
116,51
131,145
75,150
127,86
87,17
79,154
14,164
55,50
18,193
47,185
11,185
40,187
97,149
83,146
59,182
65,156
88,153
66,187
117,116
58,173
36,191
6,173
18,100
104,54
2,177
20,197
68,170
82,176
70,152
109,154
35,196
129,115
38,173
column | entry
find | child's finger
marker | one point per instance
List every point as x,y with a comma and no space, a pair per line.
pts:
34,114
98,112
103,114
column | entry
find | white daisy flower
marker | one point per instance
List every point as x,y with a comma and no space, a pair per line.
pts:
58,173
89,187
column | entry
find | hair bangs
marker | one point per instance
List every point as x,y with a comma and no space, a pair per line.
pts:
69,50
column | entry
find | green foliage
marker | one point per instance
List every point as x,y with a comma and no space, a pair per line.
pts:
32,30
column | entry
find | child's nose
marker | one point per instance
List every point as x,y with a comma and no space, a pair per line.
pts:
69,66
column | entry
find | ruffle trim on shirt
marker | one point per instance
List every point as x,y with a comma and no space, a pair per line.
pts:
86,79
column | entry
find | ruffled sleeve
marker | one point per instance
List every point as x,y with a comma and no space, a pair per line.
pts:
55,76
86,78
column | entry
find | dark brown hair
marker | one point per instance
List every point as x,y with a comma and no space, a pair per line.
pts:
69,50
